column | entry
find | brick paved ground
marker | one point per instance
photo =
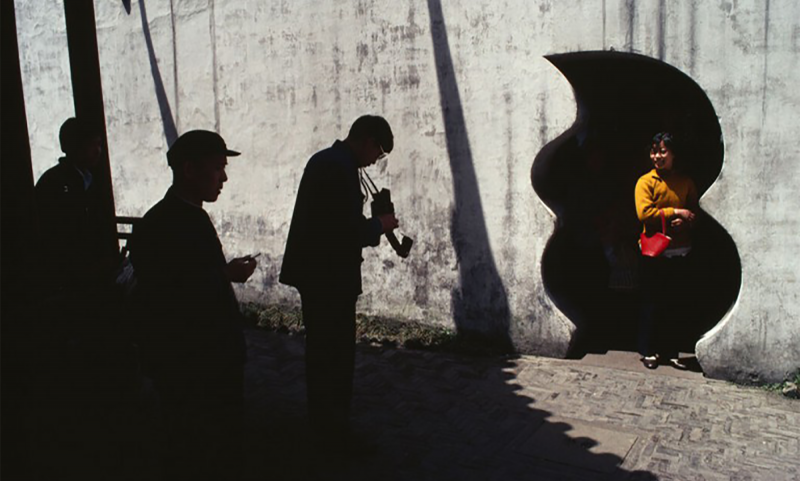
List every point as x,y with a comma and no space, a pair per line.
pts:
441,417
435,416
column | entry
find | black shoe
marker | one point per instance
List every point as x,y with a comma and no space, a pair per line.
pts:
650,362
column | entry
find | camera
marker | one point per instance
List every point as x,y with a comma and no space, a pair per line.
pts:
381,205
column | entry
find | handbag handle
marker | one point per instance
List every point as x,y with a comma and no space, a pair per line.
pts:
663,222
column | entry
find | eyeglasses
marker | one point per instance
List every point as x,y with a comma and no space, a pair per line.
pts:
383,154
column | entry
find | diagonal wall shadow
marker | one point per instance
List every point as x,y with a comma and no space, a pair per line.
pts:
167,120
480,304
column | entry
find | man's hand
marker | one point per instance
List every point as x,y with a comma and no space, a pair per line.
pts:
241,268
388,223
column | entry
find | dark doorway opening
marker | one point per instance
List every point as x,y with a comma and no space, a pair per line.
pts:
587,177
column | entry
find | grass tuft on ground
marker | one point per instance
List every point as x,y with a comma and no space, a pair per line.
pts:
788,388
377,331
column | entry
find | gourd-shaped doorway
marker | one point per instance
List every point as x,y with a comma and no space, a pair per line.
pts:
587,177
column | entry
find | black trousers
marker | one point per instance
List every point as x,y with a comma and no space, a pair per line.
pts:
202,412
665,284
330,323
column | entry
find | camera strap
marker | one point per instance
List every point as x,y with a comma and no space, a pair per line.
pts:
362,174
385,206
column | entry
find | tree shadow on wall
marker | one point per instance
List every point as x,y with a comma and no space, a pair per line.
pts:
587,177
167,120
480,304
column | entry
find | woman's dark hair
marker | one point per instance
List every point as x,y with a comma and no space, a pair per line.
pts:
667,138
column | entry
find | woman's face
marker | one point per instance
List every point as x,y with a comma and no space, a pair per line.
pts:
662,157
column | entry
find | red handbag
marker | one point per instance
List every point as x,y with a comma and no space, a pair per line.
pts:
656,244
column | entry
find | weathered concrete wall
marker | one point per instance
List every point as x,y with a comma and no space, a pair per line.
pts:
471,100
44,60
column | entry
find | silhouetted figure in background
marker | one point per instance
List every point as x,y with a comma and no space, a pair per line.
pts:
75,251
84,363
323,261
189,319
79,331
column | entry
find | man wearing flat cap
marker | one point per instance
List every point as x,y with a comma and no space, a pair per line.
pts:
323,261
189,319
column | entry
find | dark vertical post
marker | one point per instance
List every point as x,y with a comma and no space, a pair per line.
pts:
87,91
15,156
15,159
17,240
17,209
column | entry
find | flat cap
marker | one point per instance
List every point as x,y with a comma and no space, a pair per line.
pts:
197,145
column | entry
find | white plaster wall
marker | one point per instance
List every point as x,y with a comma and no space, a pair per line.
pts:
752,84
281,80
47,86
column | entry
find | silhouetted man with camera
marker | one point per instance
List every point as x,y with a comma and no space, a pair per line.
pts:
189,318
323,261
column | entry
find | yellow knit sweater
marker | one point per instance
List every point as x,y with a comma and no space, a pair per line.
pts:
654,192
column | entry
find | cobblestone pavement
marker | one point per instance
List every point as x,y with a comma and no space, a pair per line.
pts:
434,416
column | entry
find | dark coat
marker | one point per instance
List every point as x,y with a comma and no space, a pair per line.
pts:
328,230
76,236
187,312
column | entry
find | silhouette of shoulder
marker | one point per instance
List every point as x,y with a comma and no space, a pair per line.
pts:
61,179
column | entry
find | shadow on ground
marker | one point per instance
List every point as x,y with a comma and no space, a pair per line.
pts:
429,415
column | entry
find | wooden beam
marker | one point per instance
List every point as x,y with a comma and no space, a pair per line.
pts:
87,92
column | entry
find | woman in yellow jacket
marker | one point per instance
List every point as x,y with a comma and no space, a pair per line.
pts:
664,190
